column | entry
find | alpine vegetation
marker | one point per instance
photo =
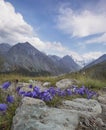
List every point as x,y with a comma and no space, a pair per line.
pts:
10,101
47,94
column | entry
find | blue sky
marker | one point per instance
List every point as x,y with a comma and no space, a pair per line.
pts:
73,27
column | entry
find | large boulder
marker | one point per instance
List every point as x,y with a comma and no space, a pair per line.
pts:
83,107
33,114
65,83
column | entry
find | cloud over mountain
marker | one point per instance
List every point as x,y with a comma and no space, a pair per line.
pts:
14,29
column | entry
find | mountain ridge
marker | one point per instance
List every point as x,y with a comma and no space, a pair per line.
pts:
23,56
97,61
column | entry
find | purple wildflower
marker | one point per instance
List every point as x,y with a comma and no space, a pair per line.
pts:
36,89
6,85
34,94
18,89
61,92
30,86
21,92
45,96
10,99
68,92
3,107
28,94
52,91
81,90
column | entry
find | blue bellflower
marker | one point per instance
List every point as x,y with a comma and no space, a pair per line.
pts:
6,85
28,94
45,96
68,92
52,91
36,89
3,107
18,89
21,93
30,86
10,99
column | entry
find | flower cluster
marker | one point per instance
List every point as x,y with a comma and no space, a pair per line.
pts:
50,93
46,95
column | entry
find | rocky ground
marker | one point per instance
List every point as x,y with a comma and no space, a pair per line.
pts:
99,122
78,114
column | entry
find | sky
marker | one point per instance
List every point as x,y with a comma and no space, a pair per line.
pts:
58,27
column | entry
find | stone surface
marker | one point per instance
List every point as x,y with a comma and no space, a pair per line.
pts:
83,106
33,114
95,123
46,84
102,99
25,86
65,83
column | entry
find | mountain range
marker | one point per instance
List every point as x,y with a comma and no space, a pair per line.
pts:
26,59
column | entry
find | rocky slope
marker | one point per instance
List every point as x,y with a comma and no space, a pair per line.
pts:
25,58
4,47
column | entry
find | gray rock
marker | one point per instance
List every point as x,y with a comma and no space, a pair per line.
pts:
26,89
25,86
100,122
104,89
102,99
83,106
33,114
35,83
46,84
65,83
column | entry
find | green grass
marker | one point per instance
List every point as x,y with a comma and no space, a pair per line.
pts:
97,71
56,101
6,118
92,83
82,79
86,80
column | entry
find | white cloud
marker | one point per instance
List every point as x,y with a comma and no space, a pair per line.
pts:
100,39
58,49
10,21
81,23
92,55
14,29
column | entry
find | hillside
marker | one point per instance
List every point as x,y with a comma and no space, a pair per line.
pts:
97,71
97,61
26,59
